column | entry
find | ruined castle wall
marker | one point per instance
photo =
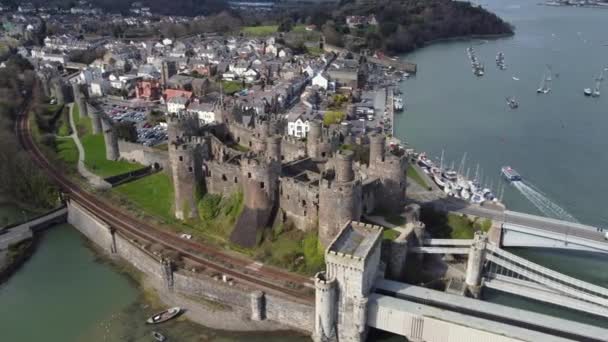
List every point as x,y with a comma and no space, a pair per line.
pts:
222,179
246,137
143,154
293,149
300,203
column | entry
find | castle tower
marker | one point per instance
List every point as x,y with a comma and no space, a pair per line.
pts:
181,125
111,139
326,302
339,198
344,167
260,192
185,172
273,148
394,182
317,147
376,147
391,171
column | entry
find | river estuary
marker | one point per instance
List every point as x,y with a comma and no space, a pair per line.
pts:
556,141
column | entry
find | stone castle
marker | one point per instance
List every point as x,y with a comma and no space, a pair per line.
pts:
314,183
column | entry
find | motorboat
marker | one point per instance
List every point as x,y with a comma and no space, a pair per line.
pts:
465,194
510,174
164,316
587,91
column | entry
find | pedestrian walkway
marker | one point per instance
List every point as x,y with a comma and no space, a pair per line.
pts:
93,179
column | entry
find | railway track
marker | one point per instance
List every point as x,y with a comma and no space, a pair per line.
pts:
265,277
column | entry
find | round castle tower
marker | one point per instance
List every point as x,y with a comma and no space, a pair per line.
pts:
391,170
316,146
325,308
376,147
185,174
273,148
111,139
339,199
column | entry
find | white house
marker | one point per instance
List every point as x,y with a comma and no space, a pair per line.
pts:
321,81
250,75
298,120
177,104
99,88
204,111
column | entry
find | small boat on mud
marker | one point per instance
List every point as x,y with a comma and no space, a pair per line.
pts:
164,316
158,336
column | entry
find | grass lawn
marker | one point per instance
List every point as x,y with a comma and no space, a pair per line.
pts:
293,249
413,174
390,234
95,158
260,30
462,227
231,87
153,193
67,151
315,51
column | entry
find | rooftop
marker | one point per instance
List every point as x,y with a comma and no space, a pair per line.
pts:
356,239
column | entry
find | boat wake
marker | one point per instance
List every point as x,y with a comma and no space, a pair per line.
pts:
543,203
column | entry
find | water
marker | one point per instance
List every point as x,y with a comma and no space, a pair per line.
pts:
542,202
555,141
66,293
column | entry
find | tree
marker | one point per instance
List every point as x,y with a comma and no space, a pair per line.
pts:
126,131
333,117
285,25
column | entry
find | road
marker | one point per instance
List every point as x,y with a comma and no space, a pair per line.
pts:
268,278
532,221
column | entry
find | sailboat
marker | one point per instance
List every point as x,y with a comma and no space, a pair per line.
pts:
545,83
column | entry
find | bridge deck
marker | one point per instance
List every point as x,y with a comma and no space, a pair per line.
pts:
496,313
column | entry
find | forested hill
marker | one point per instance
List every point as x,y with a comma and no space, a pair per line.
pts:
172,7
404,25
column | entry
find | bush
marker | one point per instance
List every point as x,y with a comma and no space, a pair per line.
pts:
209,207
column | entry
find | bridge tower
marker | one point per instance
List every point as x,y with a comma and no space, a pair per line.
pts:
475,263
352,262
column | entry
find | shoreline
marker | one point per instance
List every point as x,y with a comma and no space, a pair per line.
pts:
463,38
202,311
9,265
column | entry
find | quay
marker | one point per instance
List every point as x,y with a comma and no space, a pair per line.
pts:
403,66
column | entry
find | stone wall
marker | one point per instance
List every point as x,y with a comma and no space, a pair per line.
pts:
290,314
222,178
293,149
144,155
300,203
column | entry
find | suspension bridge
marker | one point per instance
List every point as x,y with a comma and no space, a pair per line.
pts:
492,267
